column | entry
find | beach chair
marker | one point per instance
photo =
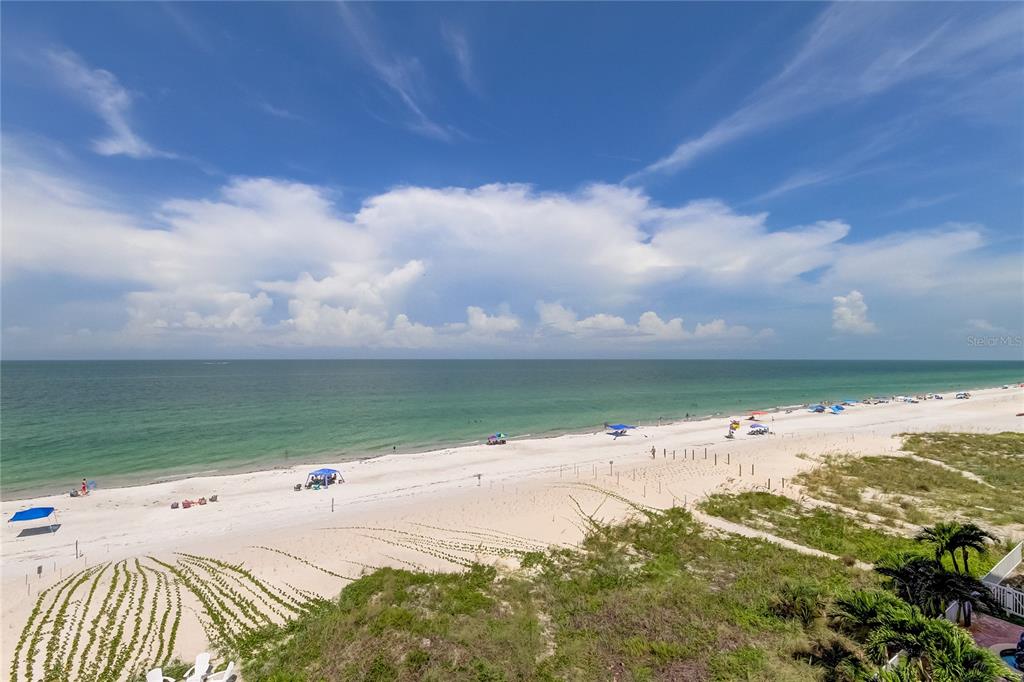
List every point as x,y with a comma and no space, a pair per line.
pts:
157,675
222,675
298,486
199,671
213,498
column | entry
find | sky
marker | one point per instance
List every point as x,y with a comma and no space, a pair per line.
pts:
764,180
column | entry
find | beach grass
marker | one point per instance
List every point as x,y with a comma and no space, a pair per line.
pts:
654,598
830,530
997,458
921,492
825,529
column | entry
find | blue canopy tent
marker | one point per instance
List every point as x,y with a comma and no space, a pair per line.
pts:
33,514
816,408
836,409
617,430
323,478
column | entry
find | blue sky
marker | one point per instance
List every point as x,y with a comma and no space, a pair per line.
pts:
513,180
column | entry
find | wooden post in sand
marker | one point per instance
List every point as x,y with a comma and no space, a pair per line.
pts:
769,484
332,505
728,458
751,469
716,459
478,477
610,467
741,470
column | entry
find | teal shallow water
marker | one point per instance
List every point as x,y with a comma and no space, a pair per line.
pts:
133,422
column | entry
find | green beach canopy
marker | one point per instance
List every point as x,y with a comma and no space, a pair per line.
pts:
31,514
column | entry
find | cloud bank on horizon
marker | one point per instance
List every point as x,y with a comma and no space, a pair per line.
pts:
122,236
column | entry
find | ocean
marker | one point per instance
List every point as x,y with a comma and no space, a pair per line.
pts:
126,422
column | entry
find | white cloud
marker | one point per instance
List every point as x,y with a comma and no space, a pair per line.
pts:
456,42
850,314
101,90
911,262
479,322
195,310
266,261
556,319
278,112
403,76
859,50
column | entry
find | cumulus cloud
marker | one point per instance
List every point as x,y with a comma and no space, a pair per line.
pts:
159,311
850,314
101,91
556,319
268,261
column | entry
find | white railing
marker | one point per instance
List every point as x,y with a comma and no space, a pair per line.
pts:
1004,567
1010,599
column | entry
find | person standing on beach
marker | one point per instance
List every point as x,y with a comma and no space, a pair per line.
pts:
85,487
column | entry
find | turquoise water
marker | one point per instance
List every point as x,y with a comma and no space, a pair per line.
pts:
126,421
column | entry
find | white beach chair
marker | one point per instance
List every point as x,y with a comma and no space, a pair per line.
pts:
199,671
222,675
157,675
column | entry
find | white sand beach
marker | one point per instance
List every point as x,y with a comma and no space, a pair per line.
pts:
423,509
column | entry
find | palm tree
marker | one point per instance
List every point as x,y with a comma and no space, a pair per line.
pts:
903,672
861,611
950,537
941,536
970,536
958,659
913,578
842,659
936,649
904,631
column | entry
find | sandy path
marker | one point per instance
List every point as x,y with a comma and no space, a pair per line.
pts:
424,510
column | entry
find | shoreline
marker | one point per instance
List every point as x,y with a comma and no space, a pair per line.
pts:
131,481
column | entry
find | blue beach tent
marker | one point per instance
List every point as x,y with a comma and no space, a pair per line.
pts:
816,408
617,430
324,475
836,409
34,514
